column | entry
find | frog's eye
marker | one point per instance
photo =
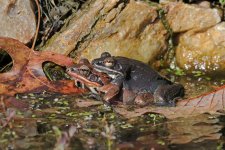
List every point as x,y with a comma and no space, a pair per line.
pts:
109,62
93,78
84,70
105,54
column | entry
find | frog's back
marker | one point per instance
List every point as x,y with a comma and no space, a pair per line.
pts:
139,69
141,76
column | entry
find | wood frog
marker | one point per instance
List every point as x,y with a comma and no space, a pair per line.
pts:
137,82
86,77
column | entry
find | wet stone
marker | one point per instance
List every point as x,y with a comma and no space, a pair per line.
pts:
202,50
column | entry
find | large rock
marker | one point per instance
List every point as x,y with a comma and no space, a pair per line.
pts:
130,29
78,27
184,17
135,32
17,20
133,29
200,36
203,50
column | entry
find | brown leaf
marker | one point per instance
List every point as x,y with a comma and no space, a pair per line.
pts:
27,74
86,103
9,101
208,103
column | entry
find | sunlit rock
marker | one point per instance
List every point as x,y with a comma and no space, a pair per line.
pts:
184,17
78,27
126,28
17,20
134,29
135,32
166,1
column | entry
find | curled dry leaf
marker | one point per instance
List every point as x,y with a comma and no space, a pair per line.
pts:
27,74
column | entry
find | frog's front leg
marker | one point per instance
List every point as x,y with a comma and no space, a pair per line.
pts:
113,88
110,90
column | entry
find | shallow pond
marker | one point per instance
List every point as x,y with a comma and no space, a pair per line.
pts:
56,121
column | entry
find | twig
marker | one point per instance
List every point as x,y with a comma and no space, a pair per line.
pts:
38,24
8,65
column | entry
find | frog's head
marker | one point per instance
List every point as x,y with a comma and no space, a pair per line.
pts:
82,74
107,64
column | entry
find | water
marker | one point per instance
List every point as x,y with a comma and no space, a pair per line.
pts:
33,129
97,126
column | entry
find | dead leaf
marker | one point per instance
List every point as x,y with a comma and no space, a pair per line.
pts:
207,103
27,74
9,101
87,103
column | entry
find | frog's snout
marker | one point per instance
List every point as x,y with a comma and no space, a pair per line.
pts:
71,69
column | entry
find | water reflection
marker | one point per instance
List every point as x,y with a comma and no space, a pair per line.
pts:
200,132
145,132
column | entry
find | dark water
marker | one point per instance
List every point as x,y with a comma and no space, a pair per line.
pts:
98,127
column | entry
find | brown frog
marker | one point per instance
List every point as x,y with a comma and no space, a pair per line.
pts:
137,82
86,77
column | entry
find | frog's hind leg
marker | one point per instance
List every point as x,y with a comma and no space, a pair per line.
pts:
128,97
144,99
166,95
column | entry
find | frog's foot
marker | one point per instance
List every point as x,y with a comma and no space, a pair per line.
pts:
144,99
110,90
166,95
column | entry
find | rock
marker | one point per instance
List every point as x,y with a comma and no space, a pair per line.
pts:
204,4
133,30
202,50
17,20
184,17
79,27
201,39
166,1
